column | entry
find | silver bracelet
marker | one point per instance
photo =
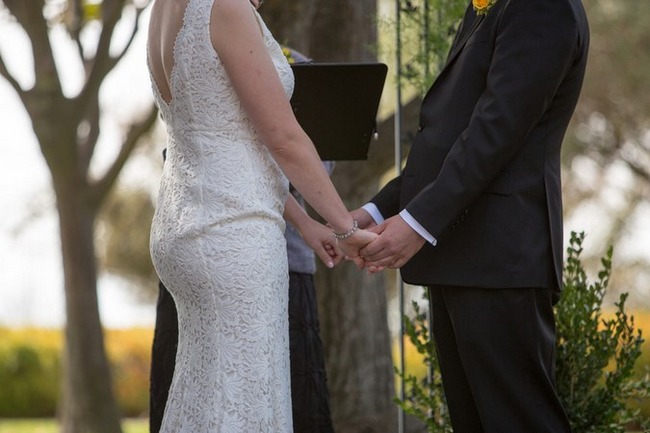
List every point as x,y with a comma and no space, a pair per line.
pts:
341,236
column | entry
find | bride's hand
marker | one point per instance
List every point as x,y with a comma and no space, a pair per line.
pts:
351,245
319,238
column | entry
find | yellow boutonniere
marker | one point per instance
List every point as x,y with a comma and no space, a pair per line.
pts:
483,6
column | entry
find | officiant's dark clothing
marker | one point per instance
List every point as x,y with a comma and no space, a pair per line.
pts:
309,394
483,178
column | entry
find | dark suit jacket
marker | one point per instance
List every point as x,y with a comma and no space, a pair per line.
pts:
483,174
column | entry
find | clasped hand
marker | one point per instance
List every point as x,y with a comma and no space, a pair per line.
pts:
374,247
394,243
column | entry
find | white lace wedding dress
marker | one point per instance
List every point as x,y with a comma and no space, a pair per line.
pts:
217,244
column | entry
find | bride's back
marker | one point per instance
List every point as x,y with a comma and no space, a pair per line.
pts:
164,25
190,83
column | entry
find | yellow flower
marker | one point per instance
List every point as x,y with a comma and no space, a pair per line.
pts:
483,6
287,53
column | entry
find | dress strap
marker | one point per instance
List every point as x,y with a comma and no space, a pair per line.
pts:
258,19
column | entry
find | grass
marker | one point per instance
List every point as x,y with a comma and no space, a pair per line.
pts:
48,425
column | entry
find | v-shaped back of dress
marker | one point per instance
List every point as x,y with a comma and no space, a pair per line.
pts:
217,243
202,95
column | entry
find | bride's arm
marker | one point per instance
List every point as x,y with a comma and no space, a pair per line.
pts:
237,39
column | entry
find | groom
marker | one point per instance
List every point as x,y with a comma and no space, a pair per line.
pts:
476,215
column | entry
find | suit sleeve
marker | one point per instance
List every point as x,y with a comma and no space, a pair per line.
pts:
536,44
387,199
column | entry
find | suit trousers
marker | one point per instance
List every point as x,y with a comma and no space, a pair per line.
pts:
496,349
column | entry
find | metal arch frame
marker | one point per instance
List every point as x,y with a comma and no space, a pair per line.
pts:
401,418
401,421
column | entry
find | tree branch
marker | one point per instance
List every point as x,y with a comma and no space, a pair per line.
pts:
4,72
29,15
136,27
88,143
101,188
102,64
74,23
637,168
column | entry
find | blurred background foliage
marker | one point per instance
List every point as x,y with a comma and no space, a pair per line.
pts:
30,371
606,153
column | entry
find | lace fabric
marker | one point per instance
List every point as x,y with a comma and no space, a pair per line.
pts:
217,243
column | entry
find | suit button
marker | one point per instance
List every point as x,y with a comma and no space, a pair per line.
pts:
420,127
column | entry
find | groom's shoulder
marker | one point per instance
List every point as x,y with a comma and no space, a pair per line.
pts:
553,12
552,20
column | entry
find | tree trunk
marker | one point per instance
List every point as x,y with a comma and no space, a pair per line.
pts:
88,404
86,369
344,31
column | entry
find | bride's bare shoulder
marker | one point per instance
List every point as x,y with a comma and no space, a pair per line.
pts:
232,12
231,6
231,17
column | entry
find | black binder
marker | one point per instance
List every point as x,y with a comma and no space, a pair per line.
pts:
336,104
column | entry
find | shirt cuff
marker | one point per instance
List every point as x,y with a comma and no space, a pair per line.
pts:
373,210
408,219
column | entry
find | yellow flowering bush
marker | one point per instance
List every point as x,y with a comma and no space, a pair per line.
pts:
30,370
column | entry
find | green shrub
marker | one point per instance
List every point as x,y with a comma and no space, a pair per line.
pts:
424,397
30,381
596,355
642,367
30,369
129,352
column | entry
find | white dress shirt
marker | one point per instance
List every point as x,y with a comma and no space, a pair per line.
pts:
372,209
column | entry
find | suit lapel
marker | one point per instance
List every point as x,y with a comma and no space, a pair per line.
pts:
462,40
458,44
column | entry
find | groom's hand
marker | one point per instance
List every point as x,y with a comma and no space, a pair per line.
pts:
353,244
396,244
364,219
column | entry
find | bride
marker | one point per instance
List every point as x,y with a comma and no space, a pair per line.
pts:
223,86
